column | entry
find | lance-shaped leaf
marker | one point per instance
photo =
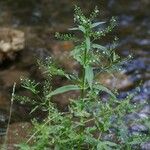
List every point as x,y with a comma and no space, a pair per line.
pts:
76,53
97,24
105,89
99,47
63,89
80,28
89,75
73,29
107,145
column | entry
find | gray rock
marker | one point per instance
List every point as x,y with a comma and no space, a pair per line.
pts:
11,41
145,111
138,128
132,116
145,146
2,131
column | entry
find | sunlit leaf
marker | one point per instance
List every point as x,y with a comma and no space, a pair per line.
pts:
105,89
82,29
97,24
99,47
35,108
73,29
76,53
63,89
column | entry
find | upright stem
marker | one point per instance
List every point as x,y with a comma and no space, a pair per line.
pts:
4,146
83,69
83,76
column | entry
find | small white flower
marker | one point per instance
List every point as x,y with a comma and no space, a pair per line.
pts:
96,11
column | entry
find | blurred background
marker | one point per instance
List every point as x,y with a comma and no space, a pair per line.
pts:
27,30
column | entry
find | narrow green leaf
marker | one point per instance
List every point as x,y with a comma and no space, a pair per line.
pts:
105,89
99,47
97,24
112,144
88,43
81,28
36,107
73,29
63,89
89,75
76,54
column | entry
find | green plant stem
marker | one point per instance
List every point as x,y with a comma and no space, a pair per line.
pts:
83,70
33,135
83,84
10,114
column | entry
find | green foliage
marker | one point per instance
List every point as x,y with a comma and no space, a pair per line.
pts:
29,85
91,122
63,89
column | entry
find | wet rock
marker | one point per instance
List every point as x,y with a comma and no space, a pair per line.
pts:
146,109
146,86
3,118
61,52
132,117
4,109
143,94
145,146
119,81
18,132
138,128
134,65
4,100
143,116
8,77
62,100
2,133
140,99
3,122
142,42
125,20
11,41
41,53
129,6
